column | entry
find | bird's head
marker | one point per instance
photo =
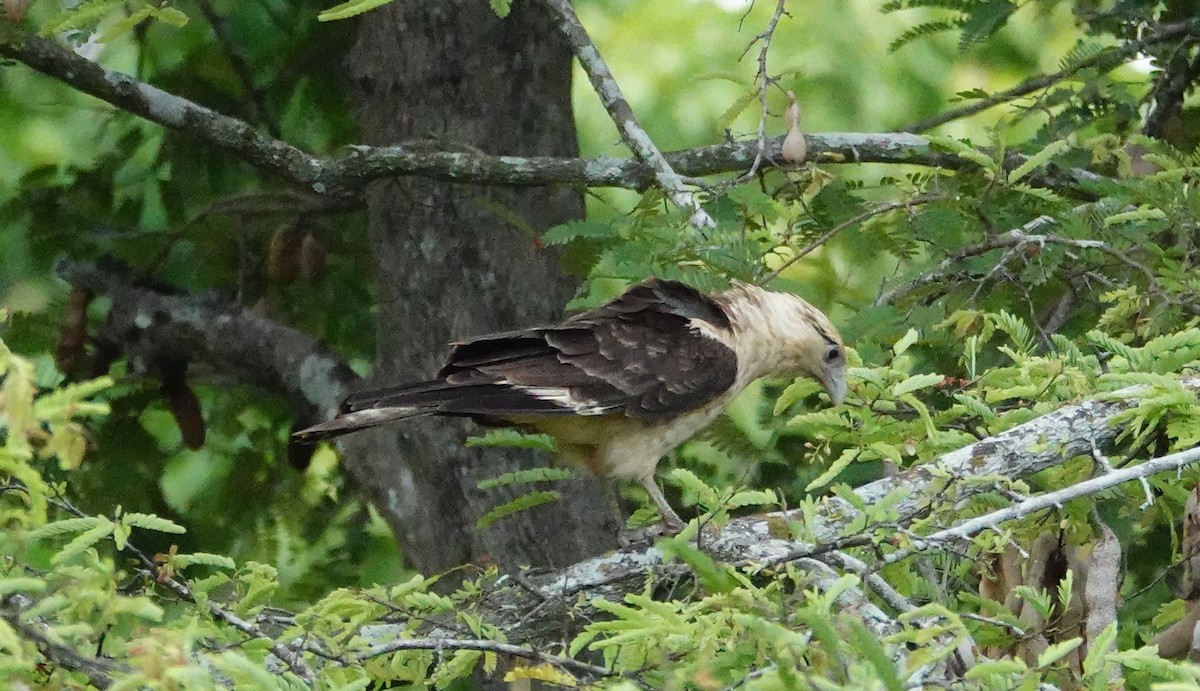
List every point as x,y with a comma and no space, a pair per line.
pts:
781,334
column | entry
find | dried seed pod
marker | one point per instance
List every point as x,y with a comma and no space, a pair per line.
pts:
283,254
312,257
70,352
795,148
14,10
183,404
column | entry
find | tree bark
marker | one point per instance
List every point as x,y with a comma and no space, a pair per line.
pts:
450,263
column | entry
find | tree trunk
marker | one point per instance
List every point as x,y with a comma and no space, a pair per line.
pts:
451,263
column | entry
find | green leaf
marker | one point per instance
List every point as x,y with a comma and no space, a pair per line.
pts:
21,584
836,467
1057,652
753,497
1003,666
714,576
350,9
795,392
905,342
69,525
963,150
524,477
80,16
1099,650
125,25
521,503
866,643
182,561
1142,213
579,230
511,438
170,15
984,20
694,489
152,522
501,7
916,382
737,107
1038,160
83,541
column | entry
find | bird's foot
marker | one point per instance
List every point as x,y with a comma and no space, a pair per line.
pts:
631,538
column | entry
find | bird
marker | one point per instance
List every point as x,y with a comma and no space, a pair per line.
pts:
623,384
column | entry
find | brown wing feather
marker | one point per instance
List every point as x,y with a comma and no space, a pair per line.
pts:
638,355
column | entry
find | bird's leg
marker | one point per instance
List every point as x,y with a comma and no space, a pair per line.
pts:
672,523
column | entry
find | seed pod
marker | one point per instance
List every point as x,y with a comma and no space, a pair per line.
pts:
312,257
70,352
14,10
183,404
283,254
795,149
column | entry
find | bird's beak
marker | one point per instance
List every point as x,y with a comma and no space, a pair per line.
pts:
835,385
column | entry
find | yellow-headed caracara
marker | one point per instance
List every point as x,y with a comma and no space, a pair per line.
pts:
621,385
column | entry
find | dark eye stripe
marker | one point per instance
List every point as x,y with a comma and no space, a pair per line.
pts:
823,334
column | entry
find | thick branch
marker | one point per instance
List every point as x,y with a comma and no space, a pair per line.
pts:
350,172
156,105
151,326
1016,453
1049,500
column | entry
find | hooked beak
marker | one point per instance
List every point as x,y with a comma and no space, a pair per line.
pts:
835,385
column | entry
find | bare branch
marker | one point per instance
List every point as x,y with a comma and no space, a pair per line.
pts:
1016,453
1049,500
632,132
241,68
1013,239
764,82
1019,238
156,105
96,669
1107,60
589,670
828,235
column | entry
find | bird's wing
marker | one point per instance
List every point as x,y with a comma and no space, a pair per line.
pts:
643,355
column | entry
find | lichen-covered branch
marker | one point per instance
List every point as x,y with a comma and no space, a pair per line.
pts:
1049,500
150,325
1016,453
346,174
124,91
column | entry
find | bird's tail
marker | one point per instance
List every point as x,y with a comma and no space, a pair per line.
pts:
375,407
355,420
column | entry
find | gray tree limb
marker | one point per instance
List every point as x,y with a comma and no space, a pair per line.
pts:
150,325
1016,453
347,173
632,132
98,670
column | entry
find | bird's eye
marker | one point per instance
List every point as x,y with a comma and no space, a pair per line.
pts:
833,354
